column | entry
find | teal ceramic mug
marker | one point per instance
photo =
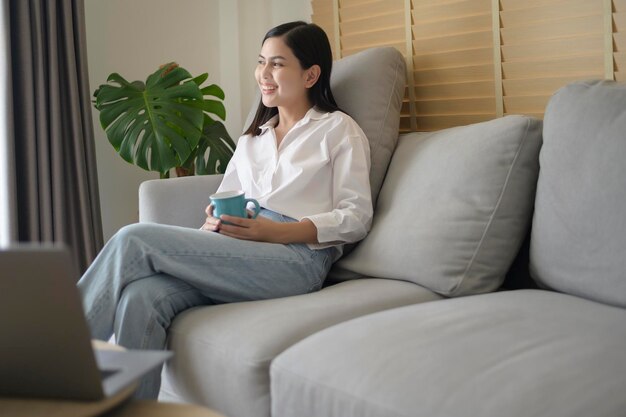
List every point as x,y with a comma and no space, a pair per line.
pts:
233,203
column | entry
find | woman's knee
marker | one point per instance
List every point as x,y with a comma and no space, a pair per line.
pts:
160,297
140,230
138,235
145,291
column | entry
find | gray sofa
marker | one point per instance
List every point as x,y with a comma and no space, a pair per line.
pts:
414,320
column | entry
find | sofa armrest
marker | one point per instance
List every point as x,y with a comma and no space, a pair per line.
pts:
177,201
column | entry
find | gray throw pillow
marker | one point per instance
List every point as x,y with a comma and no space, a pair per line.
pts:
454,208
578,241
369,86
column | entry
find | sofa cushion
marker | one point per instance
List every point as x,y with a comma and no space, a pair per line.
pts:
369,86
516,354
579,227
223,352
454,208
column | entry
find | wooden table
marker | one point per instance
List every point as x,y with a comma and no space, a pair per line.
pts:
13,407
156,409
119,405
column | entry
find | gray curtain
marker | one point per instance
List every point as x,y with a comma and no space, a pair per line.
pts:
54,174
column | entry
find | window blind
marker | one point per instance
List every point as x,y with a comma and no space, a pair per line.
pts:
546,44
368,23
453,62
619,39
474,60
323,16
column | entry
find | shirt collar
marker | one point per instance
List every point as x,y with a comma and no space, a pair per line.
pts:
311,114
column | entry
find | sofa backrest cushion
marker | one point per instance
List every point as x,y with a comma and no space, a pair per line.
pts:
578,241
454,208
369,86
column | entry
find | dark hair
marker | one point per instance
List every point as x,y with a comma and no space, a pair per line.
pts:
310,45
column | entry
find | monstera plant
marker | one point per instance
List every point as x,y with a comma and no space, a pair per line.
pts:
166,122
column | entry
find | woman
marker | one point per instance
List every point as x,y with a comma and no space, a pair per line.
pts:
307,164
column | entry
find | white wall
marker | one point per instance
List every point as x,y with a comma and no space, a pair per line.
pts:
134,37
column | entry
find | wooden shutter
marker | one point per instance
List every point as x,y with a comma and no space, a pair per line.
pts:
324,17
367,23
545,45
619,39
453,62
473,60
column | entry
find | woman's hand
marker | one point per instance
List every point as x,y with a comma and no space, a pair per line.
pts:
260,229
211,224
263,229
214,224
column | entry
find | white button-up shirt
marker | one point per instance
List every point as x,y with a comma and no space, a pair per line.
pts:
320,171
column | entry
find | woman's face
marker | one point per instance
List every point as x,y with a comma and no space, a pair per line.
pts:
282,80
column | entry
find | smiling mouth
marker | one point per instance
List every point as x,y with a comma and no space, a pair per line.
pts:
268,89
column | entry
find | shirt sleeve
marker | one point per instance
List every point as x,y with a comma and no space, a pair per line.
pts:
351,218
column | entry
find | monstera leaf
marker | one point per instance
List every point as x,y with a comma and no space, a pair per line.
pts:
161,124
220,147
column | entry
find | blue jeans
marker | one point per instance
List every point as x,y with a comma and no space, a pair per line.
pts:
148,273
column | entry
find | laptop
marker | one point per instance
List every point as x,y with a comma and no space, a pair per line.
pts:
45,343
